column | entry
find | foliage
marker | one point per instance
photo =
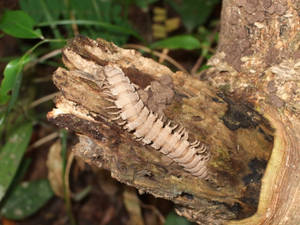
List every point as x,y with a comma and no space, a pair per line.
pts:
174,219
193,13
26,198
100,18
19,24
181,41
11,155
46,25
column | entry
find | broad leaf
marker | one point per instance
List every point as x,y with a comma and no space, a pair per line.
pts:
11,73
19,24
144,4
45,10
11,155
26,199
193,13
178,42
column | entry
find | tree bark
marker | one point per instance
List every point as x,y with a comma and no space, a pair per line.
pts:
258,61
245,108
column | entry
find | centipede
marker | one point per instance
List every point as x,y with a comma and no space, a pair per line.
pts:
150,128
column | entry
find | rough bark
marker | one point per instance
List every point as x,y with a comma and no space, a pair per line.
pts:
258,61
245,108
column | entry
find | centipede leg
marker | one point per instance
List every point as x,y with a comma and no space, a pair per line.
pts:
110,99
147,88
185,135
195,144
202,149
105,84
181,131
100,83
111,107
107,93
116,118
174,127
139,139
161,117
115,113
122,123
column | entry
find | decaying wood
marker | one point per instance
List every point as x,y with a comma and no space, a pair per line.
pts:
148,126
240,139
245,108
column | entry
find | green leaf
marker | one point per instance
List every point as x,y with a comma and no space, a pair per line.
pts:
173,219
33,9
143,4
204,67
103,25
11,155
43,10
19,24
24,166
11,73
176,42
193,13
26,199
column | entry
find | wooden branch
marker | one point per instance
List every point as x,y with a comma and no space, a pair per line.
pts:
239,139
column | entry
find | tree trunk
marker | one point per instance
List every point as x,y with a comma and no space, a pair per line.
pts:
258,60
244,110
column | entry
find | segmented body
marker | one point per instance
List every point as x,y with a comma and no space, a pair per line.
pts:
149,128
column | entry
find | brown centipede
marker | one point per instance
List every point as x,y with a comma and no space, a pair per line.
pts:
150,128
